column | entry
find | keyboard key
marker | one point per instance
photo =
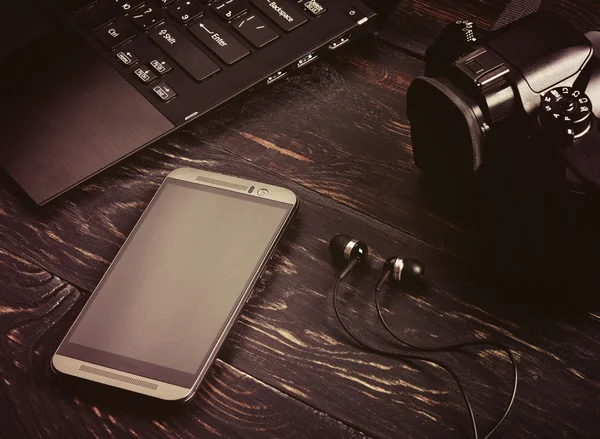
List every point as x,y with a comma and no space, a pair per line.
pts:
77,5
185,11
94,18
221,42
165,2
164,92
314,7
184,52
126,6
145,74
127,58
230,9
282,12
146,17
160,66
115,35
255,30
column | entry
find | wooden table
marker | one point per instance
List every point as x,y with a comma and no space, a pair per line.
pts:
338,136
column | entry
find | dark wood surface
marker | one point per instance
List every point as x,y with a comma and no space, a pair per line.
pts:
338,136
35,403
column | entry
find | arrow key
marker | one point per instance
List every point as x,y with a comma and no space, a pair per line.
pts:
160,66
164,92
127,58
145,74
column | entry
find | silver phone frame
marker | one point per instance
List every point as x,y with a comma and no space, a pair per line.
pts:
165,391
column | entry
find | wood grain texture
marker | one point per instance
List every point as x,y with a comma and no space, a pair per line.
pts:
416,23
341,130
36,308
338,136
288,337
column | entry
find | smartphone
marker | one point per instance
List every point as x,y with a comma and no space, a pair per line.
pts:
158,317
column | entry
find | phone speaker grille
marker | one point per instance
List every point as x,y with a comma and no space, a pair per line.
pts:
117,377
209,180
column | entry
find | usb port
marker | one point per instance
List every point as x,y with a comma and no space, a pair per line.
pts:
276,77
336,44
306,60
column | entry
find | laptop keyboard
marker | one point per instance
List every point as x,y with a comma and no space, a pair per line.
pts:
190,32
190,57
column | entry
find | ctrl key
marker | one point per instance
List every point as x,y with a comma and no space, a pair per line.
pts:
115,35
164,92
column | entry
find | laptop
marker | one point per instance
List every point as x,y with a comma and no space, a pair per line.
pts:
85,83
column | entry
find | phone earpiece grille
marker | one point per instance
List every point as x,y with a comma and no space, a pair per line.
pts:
209,180
117,377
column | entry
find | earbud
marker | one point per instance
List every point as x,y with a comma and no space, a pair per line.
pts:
352,252
401,270
343,248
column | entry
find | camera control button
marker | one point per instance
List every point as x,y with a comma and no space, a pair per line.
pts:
482,66
475,67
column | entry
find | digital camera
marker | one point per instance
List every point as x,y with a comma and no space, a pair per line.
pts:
513,112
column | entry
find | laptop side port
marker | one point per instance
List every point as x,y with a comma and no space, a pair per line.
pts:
339,42
276,77
306,60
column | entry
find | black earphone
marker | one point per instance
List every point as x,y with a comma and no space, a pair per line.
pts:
352,252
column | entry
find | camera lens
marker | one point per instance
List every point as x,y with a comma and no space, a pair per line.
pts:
446,135
262,192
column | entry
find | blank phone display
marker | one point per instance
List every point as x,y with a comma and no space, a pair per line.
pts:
166,298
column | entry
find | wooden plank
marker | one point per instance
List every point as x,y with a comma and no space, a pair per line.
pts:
77,235
341,130
388,398
36,309
416,23
288,336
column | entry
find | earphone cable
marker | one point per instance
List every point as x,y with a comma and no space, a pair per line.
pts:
455,347
408,357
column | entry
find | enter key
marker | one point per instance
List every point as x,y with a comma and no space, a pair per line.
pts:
219,41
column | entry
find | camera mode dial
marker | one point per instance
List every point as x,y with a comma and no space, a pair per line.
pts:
566,111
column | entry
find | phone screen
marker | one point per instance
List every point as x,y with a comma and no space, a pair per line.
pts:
173,287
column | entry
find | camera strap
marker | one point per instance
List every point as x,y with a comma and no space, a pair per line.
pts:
594,37
516,10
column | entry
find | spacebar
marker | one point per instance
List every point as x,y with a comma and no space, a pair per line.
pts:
184,52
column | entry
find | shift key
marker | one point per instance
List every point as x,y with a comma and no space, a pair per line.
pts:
282,12
184,52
